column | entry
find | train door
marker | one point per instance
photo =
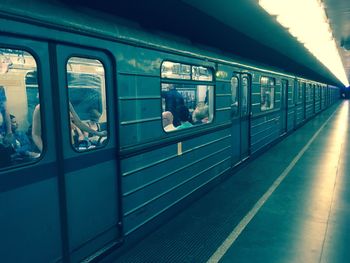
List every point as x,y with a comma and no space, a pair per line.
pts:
240,117
88,164
29,222
284,106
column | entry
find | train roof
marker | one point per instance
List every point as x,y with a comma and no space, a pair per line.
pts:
96,23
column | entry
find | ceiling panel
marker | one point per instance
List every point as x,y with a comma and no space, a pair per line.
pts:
240,27
247,17
338,12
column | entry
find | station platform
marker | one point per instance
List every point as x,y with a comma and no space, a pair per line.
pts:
290,204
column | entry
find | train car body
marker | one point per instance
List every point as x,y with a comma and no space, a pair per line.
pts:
76,199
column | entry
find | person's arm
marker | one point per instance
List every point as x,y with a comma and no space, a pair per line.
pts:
9,138
6,117
81,125
36,128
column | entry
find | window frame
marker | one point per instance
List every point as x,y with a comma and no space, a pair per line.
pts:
38,61
269,87
210,85
100,60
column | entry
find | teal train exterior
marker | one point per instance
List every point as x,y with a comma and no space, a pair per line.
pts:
82,193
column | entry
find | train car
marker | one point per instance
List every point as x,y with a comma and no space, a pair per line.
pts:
114,129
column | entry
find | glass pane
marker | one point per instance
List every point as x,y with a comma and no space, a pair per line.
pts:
272,98
202,73
234,95
300,92
186,105
244,97
87,103
267,93
20,121
291,92
174,70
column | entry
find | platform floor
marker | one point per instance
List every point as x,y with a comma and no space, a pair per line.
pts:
291,204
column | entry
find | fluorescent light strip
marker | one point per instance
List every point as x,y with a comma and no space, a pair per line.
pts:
306,20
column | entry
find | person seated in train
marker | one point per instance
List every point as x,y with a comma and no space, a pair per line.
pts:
184,116
22,145
83,126
167,119
200,114
94,124
173,100
78,139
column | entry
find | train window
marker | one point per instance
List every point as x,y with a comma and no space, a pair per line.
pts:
267,93
300,91
20,123
185,103
244,97
174,70
291,92
202,73
87,103
234,92
309,92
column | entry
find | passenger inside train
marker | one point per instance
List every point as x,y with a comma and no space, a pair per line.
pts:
173,100
184,117
168,118
87,106
186,95
200,114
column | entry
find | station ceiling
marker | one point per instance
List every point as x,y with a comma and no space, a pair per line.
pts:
240,27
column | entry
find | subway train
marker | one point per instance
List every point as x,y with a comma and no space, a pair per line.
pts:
108,130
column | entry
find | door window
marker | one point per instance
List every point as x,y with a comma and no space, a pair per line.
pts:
20,118
234,97
87,103
244,98
267,93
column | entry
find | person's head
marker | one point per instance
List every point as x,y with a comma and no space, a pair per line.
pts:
201,112
14,124
167,118
94,115
183,113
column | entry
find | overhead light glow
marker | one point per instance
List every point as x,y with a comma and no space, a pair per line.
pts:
306,20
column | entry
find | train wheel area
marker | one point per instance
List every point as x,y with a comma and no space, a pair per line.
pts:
287,205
